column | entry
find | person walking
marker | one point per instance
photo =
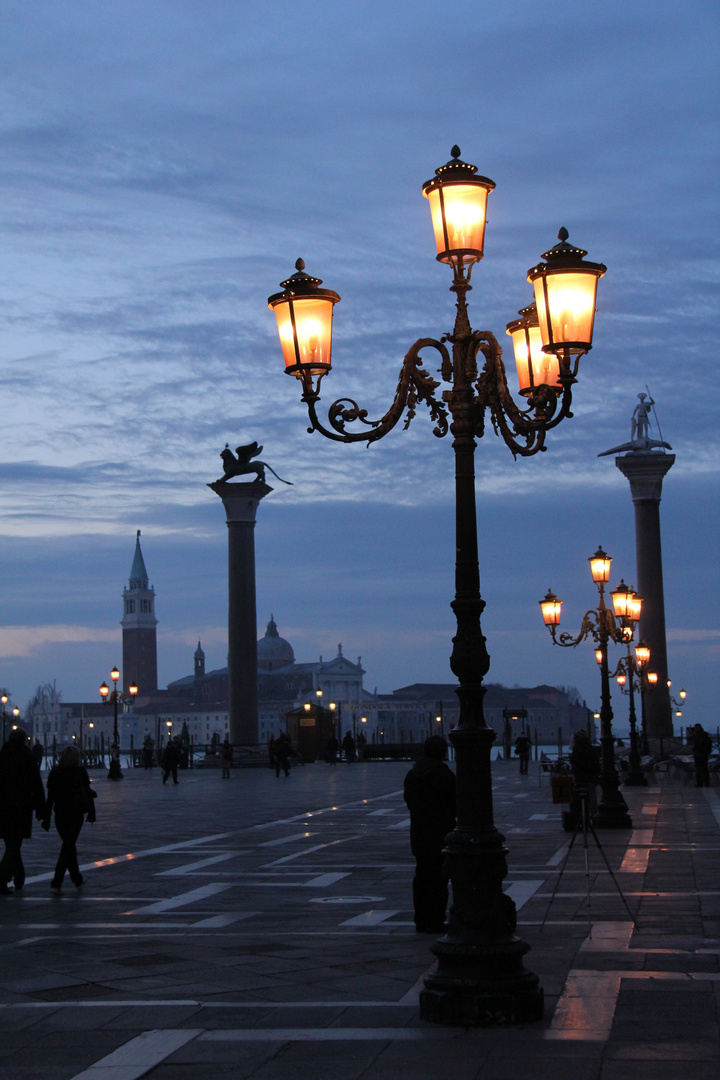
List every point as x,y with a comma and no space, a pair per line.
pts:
148,751
282,754
21,795
226,756
429,791
702,749
331,750
522,749
38,752
348,748
171,759
72,798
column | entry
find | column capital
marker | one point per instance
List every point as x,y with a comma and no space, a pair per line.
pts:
240,500
645,473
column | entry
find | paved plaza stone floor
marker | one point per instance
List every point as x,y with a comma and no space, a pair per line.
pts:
262,927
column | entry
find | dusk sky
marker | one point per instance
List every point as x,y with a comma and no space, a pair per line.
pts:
163,165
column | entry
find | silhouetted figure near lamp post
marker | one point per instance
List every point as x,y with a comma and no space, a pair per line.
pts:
429,792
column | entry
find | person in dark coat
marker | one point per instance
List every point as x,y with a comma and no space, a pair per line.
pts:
38,752
585,768
21,795
148,751
331,750
430,796
71,797
701,748
522,749
348,748
171,760
282,754
226,758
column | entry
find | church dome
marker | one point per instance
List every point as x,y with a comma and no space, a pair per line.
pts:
274,651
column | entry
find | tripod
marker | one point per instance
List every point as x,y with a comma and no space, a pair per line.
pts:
584,823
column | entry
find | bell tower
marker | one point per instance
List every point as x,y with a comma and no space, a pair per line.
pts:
138,628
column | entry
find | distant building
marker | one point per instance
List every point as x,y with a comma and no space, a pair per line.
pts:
198,702
413,712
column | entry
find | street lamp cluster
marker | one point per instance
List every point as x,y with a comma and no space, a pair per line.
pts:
604,625
114,697
14,715
480,978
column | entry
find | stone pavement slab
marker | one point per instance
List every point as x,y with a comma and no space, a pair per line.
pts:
262,927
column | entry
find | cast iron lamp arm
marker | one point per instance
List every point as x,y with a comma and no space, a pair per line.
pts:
595,624
414,385
628,668
507,418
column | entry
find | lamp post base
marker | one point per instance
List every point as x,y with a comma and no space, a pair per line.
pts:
481,986
636,780
115,772
480,979
612,815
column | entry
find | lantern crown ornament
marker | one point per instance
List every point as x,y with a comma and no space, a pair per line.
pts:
566,292
458,205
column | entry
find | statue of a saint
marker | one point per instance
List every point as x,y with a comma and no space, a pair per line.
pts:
640,441
640,425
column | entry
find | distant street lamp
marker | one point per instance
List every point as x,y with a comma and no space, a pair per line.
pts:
603,625
115,696
480,979
337,706
678,704
629,675
5,717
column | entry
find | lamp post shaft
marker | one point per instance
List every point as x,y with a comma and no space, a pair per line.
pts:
635,777
114,770
643,718
612,811
465,988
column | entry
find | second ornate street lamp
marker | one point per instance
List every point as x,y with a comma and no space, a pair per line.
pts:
115,696
480,978
601,625
629,668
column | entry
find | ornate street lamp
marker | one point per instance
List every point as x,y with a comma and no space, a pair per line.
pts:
114,696
603,625
480,978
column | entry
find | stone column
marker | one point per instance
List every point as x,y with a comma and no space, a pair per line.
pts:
645,471
241,503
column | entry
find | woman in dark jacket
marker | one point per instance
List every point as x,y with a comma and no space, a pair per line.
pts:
70,795
21,794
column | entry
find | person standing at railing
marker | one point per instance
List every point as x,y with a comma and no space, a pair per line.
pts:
701,748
